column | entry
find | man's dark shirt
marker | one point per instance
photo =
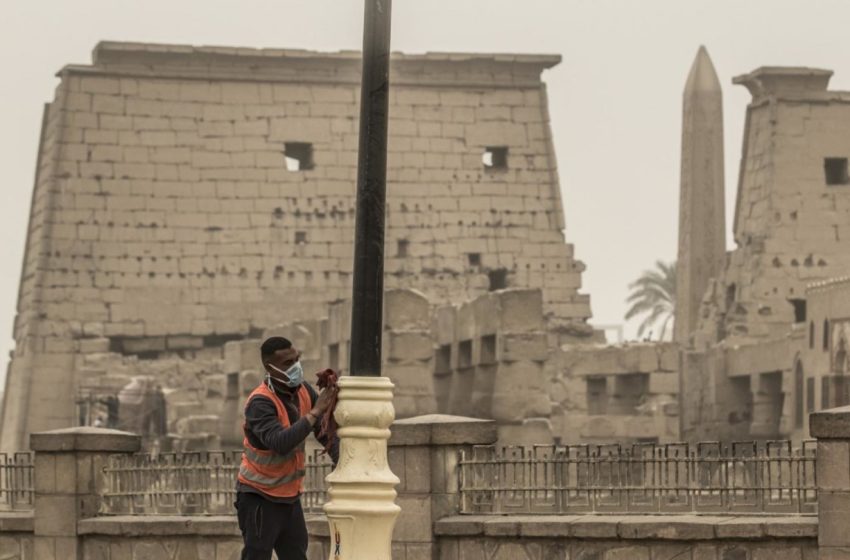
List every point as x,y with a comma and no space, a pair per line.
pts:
264,430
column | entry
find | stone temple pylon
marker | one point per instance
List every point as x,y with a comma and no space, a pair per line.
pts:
702,222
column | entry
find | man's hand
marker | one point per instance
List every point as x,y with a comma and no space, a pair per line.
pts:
324,401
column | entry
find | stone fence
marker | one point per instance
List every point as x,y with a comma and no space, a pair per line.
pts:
67,523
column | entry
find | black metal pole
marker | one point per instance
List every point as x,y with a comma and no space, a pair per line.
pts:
368,292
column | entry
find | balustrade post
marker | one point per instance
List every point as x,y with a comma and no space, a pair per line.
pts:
424,452
68,472
832,430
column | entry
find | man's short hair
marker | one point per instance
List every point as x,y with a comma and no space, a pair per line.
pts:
272,345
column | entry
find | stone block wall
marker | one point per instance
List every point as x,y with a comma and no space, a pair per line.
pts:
192,196
792,220
488,357
823,360
627,538
407,348
16,535
613,394
766,389
491,356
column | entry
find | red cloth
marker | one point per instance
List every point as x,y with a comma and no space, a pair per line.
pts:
327,380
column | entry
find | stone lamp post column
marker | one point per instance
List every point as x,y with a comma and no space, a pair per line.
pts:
361,509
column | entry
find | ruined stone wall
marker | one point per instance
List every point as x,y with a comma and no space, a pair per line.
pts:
483,358
166,217
615,394
487,358
792,228
822,361
491,358
407,349
768,388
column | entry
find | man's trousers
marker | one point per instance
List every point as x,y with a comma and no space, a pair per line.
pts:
271,526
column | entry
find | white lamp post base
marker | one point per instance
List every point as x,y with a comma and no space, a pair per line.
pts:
361,507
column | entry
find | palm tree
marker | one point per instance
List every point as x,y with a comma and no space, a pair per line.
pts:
654,294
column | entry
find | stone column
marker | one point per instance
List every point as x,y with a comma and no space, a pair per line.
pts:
68,468
702,220
832,430
424,451
361,510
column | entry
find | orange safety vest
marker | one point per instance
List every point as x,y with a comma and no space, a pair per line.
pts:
273,474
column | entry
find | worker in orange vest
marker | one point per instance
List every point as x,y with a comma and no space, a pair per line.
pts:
279,415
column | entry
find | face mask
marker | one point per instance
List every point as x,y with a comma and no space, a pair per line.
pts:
292,377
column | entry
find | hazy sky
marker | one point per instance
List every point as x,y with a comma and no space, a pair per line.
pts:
615,99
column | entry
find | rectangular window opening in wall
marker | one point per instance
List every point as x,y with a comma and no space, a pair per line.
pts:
299,156
300,237
629,392
597,395
488,349
731,295
835,170
443,361
799,414
810,394
498,279
464,354
474,259
402,247
824,393
841,391
826,335
799,310
495,158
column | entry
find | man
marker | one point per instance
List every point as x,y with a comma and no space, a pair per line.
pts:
279,415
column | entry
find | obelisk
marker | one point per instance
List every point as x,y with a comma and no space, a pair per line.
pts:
702,222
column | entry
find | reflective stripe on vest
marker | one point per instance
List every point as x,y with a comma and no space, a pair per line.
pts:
274,474
270,482
273,459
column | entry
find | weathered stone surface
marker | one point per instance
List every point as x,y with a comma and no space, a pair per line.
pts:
791,527
85,439
685,527
176,185
627,553
529,431
442,429
702,223
201,424
617,359
833,518
770,311
668,551
461,525
830,424
16,522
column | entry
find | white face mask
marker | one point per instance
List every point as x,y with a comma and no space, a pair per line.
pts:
291,378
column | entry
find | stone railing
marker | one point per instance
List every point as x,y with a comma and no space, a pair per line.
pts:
194,483
16,484
708,477
70,467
